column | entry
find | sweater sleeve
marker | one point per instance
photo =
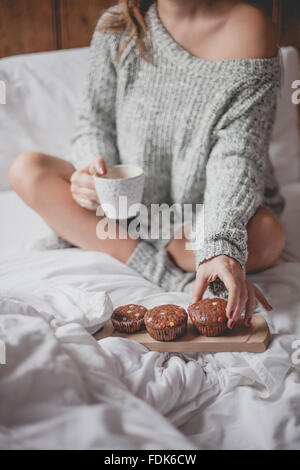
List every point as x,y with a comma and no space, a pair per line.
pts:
95,127
235,169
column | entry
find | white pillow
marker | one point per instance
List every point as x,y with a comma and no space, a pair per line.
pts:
42,95
285,144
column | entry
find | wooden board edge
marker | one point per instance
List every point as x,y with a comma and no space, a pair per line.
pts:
256,343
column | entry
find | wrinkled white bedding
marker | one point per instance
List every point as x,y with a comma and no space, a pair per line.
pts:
61,388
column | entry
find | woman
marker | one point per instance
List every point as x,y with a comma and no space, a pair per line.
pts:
187,90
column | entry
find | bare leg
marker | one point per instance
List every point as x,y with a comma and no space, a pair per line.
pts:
266,240
43,182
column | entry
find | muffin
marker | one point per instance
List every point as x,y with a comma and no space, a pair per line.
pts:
166,322
209,316
129,318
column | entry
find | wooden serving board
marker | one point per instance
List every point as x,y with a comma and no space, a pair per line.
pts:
240,339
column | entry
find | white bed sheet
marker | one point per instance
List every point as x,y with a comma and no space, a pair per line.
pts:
20,225
62,389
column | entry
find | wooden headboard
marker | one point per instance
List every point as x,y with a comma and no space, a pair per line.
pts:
43,25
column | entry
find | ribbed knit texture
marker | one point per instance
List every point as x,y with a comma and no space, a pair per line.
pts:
199,128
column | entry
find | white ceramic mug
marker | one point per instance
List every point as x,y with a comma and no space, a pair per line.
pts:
120,191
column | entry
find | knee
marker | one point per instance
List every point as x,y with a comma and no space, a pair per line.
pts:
266,239
275,237
26,171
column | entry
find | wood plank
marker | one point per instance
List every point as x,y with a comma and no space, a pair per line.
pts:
240,339
78,20
277,17
290,31
27,26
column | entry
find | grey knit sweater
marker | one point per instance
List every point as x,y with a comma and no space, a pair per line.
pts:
199,128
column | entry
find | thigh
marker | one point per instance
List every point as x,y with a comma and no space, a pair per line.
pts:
30,168
177,249
266,240
54,165
30,164
263,226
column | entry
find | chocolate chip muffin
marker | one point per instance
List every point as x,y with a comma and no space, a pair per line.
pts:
129,318
166,322
209,316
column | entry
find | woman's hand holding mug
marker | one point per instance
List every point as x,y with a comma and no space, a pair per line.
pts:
83,186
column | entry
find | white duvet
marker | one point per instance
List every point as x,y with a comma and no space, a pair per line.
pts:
62,389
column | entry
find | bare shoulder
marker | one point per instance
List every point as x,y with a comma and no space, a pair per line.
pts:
249,33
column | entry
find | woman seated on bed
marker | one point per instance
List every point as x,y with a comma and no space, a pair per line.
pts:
187,90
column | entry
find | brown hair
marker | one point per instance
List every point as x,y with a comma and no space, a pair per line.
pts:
131,17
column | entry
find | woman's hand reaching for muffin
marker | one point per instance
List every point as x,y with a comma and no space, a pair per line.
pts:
242,295
82,184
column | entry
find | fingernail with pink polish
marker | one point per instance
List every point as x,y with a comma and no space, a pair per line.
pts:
231,314
231,325
249,321
102,170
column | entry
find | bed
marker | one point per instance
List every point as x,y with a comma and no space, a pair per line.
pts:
62,389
